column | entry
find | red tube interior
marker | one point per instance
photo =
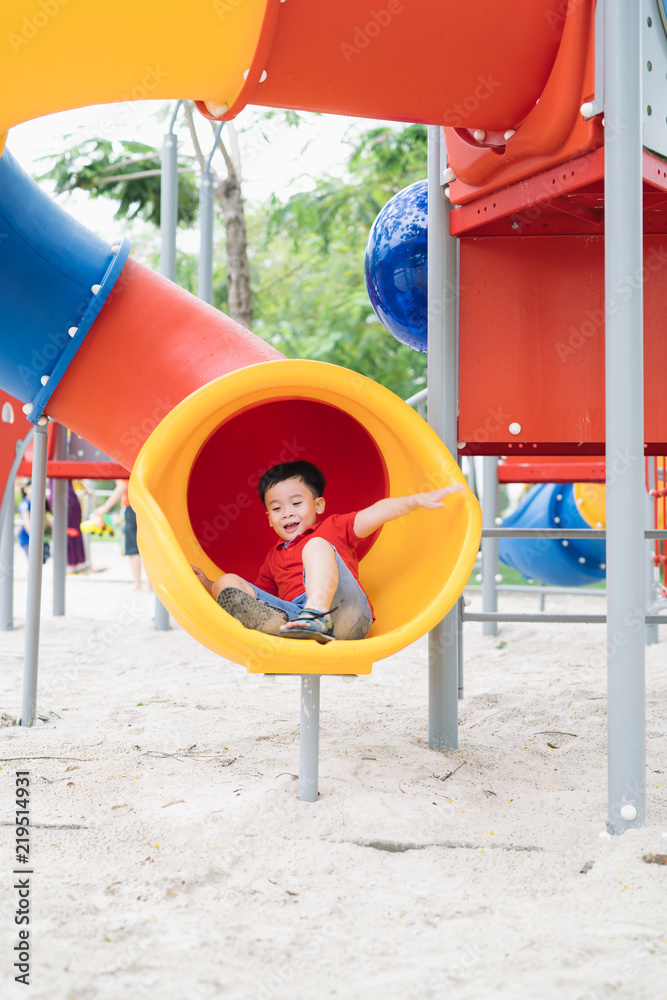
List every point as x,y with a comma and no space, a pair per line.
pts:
226,513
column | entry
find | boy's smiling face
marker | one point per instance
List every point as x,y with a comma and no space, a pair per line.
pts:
292,508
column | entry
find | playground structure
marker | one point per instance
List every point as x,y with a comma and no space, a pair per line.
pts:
68,457
525,157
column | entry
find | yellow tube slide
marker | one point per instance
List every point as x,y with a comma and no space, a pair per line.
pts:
357,432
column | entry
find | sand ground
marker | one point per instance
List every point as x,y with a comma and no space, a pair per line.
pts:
173,859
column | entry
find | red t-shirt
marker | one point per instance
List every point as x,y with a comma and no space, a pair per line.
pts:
281,572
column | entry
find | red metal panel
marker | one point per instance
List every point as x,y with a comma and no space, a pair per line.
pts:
532,343
554,469
79,470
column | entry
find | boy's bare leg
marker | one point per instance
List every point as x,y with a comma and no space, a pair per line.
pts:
135,566
226,580
321,575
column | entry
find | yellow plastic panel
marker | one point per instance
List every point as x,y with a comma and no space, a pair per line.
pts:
591,501
413,574
61,54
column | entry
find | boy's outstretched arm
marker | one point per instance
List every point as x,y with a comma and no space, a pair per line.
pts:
371,518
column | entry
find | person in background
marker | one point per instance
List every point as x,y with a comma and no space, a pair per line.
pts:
130,549
24,513
76,554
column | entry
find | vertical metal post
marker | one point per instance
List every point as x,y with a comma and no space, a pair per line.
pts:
472,474
205,287
624,383
459,644
309,749
168,225
7,557
35,557
443,662
7,539
169,200
59,531
650,631
489,545
206,201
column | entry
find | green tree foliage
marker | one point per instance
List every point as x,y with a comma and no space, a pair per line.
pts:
310,297
125,172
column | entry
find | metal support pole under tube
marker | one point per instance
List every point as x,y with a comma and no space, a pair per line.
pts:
489,545
59,530
35,556
651,631
443,664
309,748
624,387
459,643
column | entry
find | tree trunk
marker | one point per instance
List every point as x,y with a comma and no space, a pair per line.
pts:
239,298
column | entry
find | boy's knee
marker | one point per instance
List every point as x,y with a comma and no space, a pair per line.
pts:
320,546
230,580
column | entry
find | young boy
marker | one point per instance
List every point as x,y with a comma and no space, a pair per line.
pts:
308,586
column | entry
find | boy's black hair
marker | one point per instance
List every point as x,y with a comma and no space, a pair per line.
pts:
306,471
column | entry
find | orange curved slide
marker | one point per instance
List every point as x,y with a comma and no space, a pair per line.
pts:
454,64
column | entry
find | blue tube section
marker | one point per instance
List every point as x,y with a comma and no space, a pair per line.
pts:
56,277
555,561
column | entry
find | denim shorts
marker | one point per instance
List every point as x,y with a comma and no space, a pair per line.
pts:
352,617
130,533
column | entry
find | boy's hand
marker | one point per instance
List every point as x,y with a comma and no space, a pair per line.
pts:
371,518
434,499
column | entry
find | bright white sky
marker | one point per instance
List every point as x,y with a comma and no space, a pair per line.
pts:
285,163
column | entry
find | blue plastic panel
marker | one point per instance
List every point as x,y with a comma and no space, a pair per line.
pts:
49,264
552,561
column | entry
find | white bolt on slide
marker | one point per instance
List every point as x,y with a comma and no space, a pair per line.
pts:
499,578
479,134
582,560
27,409
556,520
116,247
95,289
43,421
580,500
263,76
448,175
559,497
245,74
499,521
508,135
628,812
73,331
44,379
587,109
446,193
565,543
514,428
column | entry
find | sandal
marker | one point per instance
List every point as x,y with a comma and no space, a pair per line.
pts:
251,612
316,625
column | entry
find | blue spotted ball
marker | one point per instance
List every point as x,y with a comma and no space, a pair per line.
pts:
396,266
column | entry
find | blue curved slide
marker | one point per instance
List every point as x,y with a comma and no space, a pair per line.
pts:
555,561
